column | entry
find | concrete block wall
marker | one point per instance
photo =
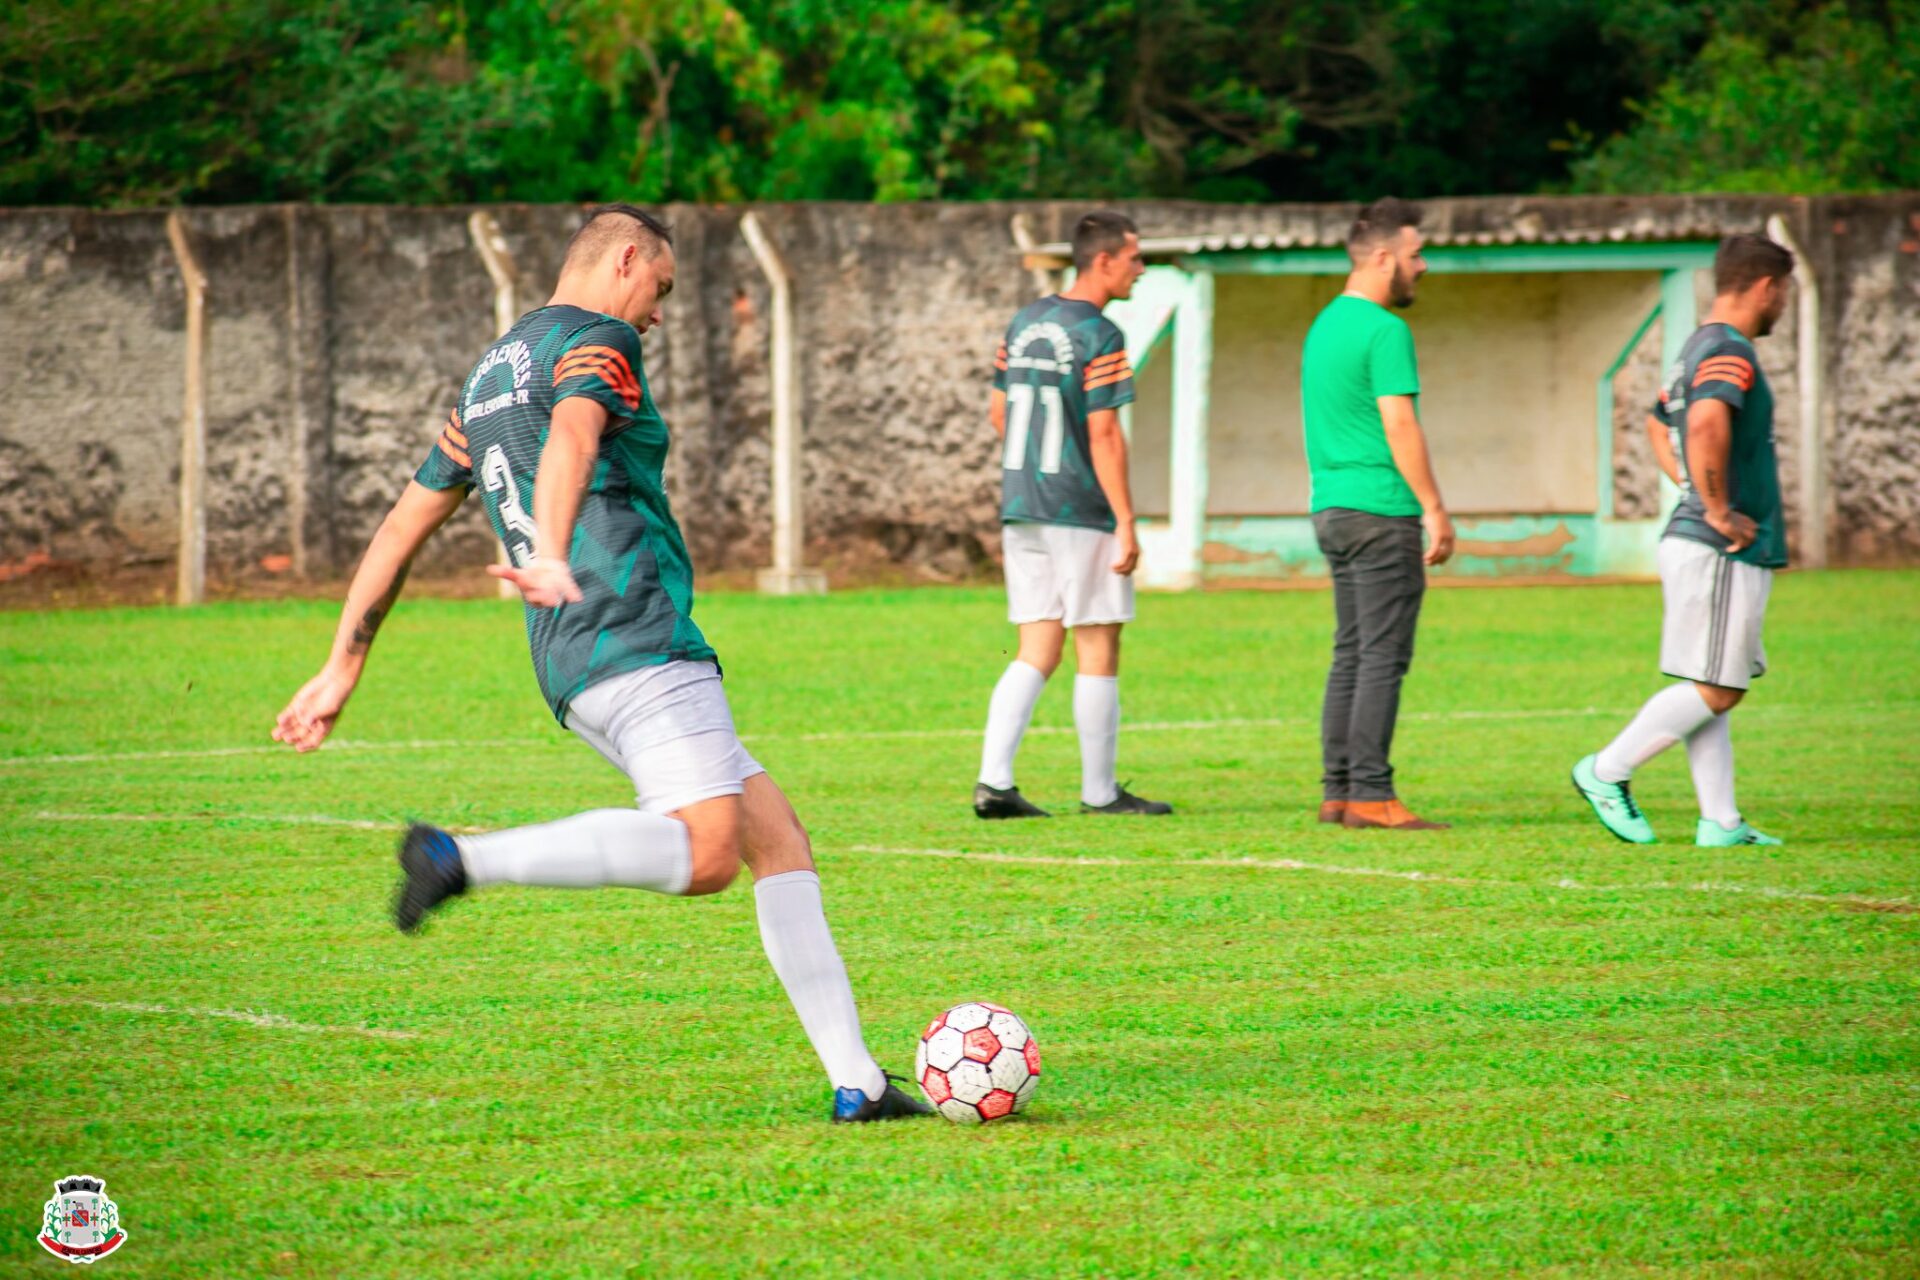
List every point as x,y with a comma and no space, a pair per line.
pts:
338,336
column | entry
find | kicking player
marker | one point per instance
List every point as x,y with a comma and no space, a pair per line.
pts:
1059,379
1726,537
557,428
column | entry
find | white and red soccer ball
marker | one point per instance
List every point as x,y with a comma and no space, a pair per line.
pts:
977,1062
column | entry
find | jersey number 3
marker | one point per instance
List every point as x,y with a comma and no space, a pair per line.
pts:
1020,413
498,477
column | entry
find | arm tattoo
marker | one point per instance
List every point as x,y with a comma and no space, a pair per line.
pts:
1713,483
369,625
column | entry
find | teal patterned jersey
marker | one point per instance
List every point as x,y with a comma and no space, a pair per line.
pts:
1718,363
1060,362
627,554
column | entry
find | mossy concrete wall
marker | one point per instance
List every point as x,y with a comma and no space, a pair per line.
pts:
338,337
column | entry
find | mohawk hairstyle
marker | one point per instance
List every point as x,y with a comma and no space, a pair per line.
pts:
605,226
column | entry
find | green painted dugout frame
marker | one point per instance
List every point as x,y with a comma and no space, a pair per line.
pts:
1172,308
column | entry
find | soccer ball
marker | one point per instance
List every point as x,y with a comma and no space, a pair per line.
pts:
977,1062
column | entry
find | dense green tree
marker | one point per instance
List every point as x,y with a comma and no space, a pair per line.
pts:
1813,101
447,100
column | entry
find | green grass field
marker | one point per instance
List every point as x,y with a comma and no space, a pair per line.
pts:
1272,1048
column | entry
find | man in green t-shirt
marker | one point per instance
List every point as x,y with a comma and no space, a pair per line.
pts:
1373,495
556,426
1713,436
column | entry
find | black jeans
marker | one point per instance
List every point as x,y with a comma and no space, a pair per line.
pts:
1378,579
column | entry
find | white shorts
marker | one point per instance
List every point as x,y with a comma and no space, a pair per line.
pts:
669,729
1058,572
1714,607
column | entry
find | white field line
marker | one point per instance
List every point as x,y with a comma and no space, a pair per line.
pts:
270,819
867,735
266,749
1900,906
268,1021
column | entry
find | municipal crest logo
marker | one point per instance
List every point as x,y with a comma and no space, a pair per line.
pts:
82,1226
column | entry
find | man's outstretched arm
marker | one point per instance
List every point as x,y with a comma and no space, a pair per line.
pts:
310,716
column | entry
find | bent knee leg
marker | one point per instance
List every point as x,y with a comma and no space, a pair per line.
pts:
714,830
716,861
776,839
1719,698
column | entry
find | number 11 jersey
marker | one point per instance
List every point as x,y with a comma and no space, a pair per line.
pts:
1061,362
628,556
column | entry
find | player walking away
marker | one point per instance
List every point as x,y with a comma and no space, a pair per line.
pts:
1059,380
557,428
1373,495
1726,537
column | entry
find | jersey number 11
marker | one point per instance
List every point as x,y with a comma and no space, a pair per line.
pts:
1020,413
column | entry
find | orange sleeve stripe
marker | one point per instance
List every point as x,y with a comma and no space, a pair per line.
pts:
1727,362
613,352
1094,384
613,370
593,355
453,451
605,368
625,388
1739,377
1110,358
580,364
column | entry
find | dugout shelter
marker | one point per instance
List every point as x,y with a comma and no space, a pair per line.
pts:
1539,349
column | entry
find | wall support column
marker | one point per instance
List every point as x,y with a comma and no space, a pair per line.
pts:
786,577
1187,472
1809,367
190,582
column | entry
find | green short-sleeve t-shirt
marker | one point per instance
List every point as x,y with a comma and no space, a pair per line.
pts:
1356,352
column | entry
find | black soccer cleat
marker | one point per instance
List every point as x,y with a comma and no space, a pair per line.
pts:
1128,803
852,1106
992,802
430,873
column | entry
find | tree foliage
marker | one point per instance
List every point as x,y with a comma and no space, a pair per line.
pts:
1817,102
433,101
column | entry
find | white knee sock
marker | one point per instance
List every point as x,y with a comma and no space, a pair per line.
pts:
1669,716
1710,757
1096,716
603,847
1007,716
793,928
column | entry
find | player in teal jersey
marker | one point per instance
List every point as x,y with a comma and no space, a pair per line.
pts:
1060,377
556,427
1713,435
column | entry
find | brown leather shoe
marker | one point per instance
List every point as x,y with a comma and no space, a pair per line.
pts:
1333,811
1388,814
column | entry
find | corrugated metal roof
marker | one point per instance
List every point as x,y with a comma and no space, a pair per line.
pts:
1526,229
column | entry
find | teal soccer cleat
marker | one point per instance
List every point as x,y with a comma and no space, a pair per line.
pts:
1711,835
1613,804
